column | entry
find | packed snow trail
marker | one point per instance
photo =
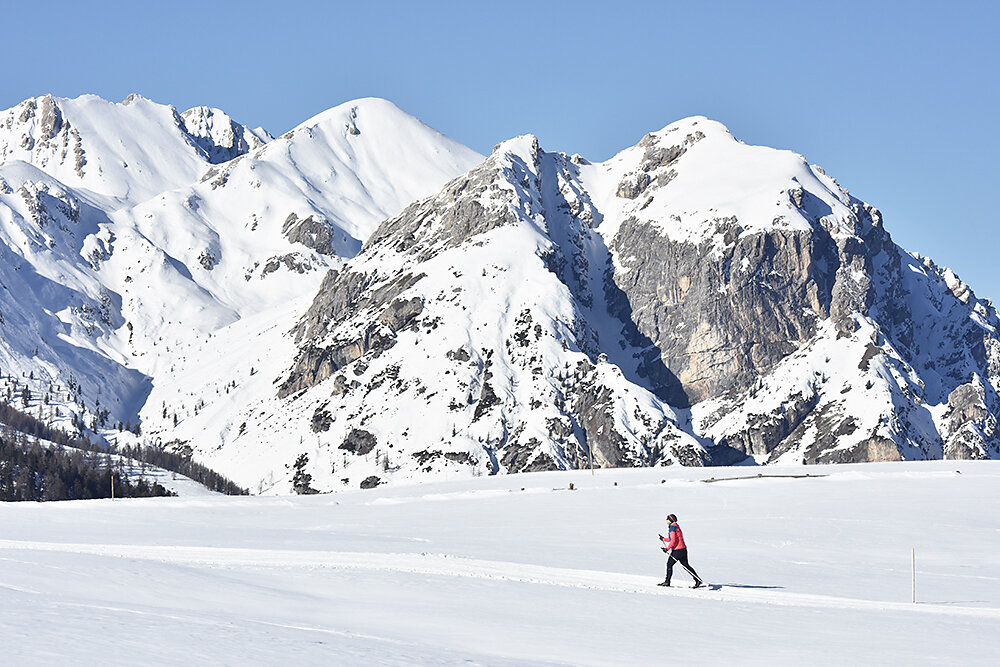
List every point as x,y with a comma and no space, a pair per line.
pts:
445,565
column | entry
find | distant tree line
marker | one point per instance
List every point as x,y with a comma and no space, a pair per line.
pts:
19,427
29,471
22,422
183,465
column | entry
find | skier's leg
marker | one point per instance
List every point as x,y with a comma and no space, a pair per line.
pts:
670,568
683,560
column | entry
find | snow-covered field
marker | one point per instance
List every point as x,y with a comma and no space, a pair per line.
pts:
519,570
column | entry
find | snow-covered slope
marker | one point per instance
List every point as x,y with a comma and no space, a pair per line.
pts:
519,570
220,136
711,175
300,203
261,230
114,293
54,308
67,167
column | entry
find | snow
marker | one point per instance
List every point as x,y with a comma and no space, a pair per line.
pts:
520,570
238,215
826,369
136,258
717,177
130,151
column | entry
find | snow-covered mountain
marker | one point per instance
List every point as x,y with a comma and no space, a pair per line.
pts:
105,293
371,294
691,300
792,321
300,203
450,342
125,152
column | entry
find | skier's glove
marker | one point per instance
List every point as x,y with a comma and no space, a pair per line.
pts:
664,549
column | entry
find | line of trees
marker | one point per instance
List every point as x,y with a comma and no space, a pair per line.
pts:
22,422
29,471
183,465
20,426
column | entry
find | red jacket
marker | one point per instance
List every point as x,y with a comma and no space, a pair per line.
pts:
674,538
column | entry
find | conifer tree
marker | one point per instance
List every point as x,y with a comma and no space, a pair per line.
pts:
301,480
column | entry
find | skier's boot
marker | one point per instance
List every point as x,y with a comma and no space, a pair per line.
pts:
665,582
698,584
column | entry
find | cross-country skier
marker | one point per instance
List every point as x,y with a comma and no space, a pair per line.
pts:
674,545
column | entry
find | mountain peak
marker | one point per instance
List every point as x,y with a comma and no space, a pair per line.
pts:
375,112
216,133
132,98
524,146
692,124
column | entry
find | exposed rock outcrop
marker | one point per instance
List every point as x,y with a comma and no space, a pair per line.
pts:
970,430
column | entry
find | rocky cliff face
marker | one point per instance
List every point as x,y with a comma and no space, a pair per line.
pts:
910,382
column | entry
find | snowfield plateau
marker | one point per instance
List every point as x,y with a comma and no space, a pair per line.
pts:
805,565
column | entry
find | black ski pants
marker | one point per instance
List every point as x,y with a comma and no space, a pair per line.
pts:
680,556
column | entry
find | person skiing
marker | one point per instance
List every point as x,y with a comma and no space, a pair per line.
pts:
674,545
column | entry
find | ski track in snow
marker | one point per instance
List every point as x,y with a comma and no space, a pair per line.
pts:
457,566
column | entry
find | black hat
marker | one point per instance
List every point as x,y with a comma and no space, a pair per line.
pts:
672,518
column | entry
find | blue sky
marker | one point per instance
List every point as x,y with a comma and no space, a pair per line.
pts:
897,100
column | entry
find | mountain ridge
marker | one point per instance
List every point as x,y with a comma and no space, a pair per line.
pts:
367,292
127,151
